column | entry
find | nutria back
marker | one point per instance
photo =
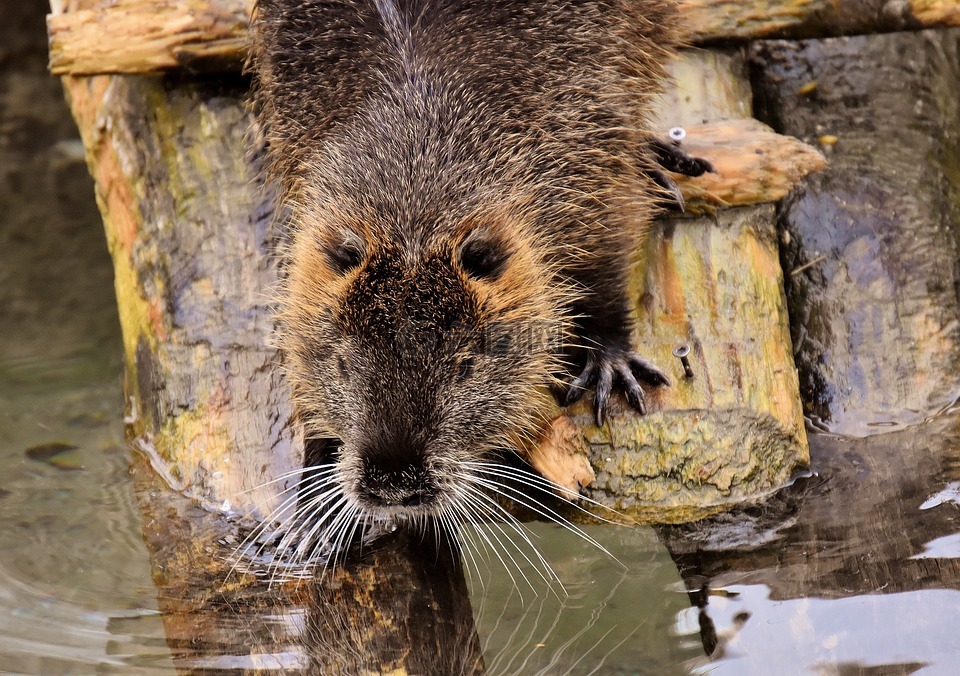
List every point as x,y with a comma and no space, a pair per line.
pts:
466,181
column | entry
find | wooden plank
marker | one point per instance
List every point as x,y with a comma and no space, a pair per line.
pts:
137,36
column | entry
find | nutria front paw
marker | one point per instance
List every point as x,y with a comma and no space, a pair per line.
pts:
609,367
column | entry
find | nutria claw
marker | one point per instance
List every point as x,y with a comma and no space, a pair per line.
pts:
671,157
607,367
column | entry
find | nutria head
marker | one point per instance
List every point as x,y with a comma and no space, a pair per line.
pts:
421,345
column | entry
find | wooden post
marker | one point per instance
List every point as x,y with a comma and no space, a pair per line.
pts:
871,244
189,229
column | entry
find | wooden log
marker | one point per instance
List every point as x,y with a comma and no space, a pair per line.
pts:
753,164
735,430
137,36
133,36
871,243
722,20
189,232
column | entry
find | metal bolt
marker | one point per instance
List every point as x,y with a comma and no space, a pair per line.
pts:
677,134
681,352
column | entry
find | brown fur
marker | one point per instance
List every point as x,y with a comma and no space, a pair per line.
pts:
466,181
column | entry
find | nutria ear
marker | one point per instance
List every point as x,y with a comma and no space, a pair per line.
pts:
344,252
483,257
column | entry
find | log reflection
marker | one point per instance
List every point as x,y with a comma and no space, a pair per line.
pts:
402,607
398,606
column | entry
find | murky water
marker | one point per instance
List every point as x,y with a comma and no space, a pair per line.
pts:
855,570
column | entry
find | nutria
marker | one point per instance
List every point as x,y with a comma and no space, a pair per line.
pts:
466,181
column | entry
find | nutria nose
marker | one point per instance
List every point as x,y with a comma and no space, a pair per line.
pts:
406,487
392,497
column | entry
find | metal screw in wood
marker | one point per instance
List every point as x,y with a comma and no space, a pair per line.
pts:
681,352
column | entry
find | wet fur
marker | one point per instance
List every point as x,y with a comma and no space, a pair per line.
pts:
466,182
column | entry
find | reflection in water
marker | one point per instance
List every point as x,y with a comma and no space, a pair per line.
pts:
403,603
404,607
874,633
859,565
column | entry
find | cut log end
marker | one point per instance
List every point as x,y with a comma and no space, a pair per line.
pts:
753,164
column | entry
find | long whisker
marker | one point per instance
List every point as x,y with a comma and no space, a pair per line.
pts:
520,498
293,502
531,478
517,527
312,470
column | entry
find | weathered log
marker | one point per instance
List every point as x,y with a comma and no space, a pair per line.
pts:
138,36
133,36
752,163
872,242
735,429
189,231
717,20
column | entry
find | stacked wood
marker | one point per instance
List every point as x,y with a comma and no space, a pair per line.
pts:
189,229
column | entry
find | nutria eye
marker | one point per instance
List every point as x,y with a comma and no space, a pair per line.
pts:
344,257
466,369
483,258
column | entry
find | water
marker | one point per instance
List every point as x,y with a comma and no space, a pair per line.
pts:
855,570
76,592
